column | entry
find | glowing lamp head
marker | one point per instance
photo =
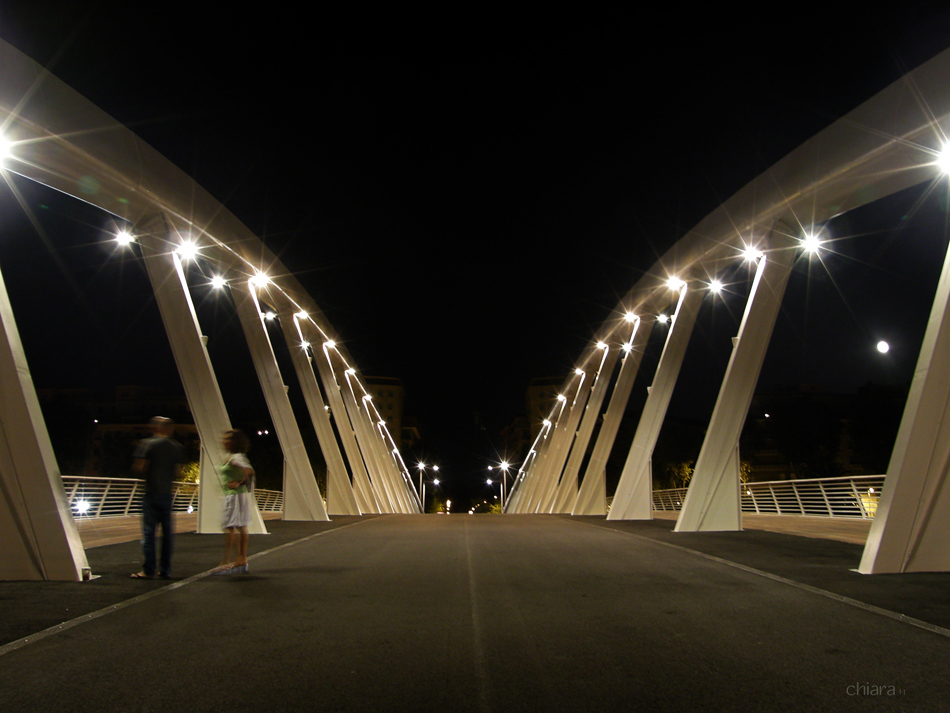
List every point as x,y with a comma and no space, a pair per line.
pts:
561,397
187,250
627,347
943,158
663,318
752,253
351,372
124,238
301,315
630,317
6,149
330,344
270,316
218,282
305,345
579,372
546,423
715,287
675,284
260,280
601,345
811,244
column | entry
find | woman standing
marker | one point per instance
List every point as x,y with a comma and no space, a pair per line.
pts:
237,480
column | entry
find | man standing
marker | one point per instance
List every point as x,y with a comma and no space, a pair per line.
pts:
158,459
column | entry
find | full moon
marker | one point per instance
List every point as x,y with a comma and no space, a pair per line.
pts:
883,347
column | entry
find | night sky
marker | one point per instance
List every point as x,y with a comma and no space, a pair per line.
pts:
467,192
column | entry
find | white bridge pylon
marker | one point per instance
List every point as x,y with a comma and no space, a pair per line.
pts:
52,135
56,137
894,141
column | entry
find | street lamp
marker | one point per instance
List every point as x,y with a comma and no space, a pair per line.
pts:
422,467
435,481
503,467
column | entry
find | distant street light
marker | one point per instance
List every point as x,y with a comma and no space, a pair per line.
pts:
435,482
503,467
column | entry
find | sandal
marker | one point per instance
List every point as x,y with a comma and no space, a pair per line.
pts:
141,575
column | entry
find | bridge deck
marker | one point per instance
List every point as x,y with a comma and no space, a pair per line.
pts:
483,613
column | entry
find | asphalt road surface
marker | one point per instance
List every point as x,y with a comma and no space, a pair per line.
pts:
483,613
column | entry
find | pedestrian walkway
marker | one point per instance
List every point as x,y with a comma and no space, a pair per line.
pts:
483,613
825,528
96,532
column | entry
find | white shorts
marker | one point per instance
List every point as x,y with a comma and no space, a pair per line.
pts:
237,510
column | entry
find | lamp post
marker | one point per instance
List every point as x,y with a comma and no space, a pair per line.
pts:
422,486
421,466
435,481
504,476
503,467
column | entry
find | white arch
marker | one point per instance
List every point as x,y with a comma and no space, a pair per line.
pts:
889,143
60,139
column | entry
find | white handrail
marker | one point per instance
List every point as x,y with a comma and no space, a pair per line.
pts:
93,497
852,497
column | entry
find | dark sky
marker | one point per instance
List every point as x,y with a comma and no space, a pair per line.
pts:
467,192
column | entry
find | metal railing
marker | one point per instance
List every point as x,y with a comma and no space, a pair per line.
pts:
848,497
90,497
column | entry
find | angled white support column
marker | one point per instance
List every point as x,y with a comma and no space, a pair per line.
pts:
371,443
535,480
911,527
527,481
194,367
302,499
567,488
341,500
633,499
516,496
409,492
37,533
388,456
383,471
562,445
364,437
712,501
402,482
366,497
592,497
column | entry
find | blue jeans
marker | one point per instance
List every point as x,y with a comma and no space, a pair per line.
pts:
157,510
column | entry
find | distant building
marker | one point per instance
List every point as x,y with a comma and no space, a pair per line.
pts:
539,401
516,439
389,397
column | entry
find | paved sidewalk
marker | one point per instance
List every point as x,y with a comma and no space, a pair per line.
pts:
823,528
96,532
